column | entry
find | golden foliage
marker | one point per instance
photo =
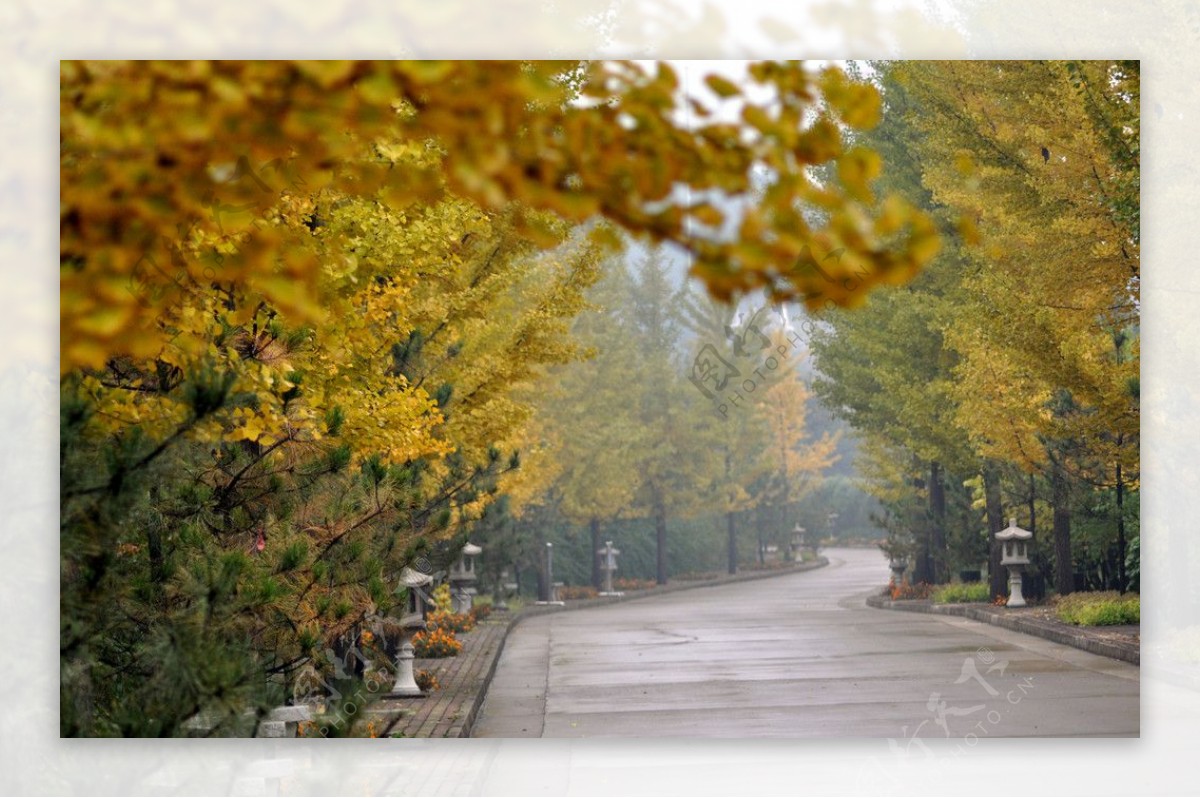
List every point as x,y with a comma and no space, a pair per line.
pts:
1041,159
181,179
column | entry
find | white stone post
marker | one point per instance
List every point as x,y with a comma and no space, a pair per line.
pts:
551,585
406,683
608,562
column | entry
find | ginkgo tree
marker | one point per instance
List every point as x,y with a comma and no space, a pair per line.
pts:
727,339
885,367
796,463
1010,364
675,453
586,409
1042,157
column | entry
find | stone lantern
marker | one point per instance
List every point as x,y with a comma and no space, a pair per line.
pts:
608,564
798,543
462,578
1014,555
898,565
283,721
412,619
500,591
832,518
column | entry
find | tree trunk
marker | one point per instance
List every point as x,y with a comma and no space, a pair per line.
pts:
759,523
937,513
997,582
154,548
1060,498
732,543
1122,581
660,539
543,582
731,547
595,527
1032,505
922,558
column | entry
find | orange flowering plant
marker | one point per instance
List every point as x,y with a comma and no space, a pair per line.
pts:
436,643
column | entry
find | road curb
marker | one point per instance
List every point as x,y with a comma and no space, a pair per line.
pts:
602,601
1068,637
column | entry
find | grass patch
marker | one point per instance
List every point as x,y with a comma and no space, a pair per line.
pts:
962,593
1100,609
514,604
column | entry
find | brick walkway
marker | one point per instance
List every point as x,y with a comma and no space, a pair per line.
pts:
447,712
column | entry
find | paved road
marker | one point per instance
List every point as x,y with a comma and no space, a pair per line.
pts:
797,656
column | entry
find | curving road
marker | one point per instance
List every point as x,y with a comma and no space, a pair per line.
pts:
797,656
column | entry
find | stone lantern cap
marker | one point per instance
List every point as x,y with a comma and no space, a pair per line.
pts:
1014,541
471,550
413,616
413,578
1013,532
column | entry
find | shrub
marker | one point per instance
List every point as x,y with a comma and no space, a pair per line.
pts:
769,565
906,592
450,621
633,584
697,576
573,592
1100,609
442,599
963,593
436,643
480,611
